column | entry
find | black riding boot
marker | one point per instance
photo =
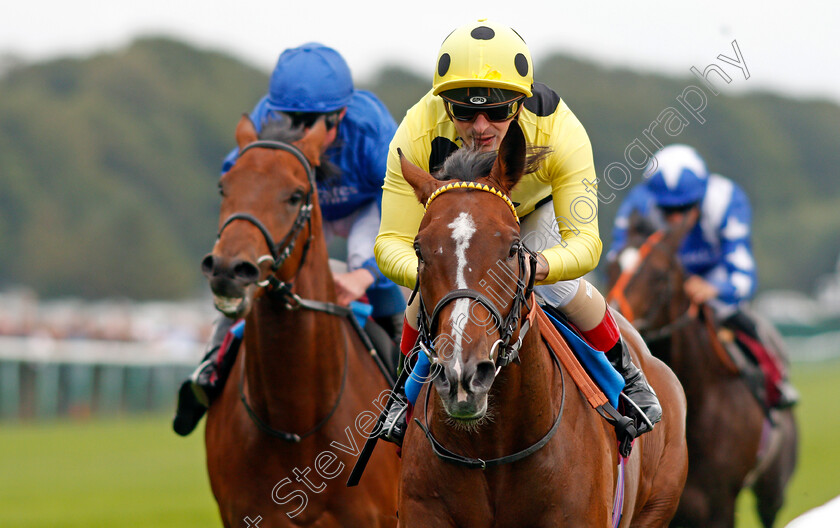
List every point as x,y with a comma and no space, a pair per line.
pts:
646,410
392,324
204,384
396,421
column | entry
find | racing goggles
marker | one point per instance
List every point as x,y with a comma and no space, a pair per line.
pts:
496,113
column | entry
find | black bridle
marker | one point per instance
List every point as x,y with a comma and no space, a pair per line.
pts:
506,353
280,251
502,352
281,290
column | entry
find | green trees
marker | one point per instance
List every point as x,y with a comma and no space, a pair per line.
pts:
108,164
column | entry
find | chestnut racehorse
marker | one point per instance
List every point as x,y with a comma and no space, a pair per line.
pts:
515,444
302,393
730,443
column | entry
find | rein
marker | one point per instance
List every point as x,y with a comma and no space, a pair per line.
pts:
616,293
665,332
283,290
283,435
278,289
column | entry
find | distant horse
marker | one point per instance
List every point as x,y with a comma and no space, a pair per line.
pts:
514,444
729,440
293,415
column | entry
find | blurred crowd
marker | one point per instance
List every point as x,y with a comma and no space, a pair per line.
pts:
23,314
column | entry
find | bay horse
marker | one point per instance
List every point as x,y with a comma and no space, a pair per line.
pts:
513,445
730,443
293,414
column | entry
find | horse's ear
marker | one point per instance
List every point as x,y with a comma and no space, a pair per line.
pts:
246,133
639,227
423,183
313,142
510,163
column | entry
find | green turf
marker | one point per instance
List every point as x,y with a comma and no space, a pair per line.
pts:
116,473
134,472
817,477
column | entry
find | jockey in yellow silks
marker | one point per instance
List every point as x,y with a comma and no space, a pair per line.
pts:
483,81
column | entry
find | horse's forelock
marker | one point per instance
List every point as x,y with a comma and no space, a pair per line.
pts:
281,129
466,165
469,164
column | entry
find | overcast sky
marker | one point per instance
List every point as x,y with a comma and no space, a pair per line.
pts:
788,47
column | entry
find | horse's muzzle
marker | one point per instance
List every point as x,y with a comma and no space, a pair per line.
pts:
463,388
230,280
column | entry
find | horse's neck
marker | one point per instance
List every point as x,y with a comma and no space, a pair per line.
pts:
292,353
690,348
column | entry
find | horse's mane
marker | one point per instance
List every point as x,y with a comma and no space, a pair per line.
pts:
281,129
470,163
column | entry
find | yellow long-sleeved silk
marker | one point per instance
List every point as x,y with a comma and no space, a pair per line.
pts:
564,174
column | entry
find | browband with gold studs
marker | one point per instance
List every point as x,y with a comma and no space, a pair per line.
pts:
473,186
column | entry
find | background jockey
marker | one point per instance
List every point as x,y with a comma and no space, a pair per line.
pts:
483,81
310,82
716,253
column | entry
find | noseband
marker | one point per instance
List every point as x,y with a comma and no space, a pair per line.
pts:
502,352
279,252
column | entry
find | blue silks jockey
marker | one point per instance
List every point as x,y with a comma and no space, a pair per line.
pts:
308,83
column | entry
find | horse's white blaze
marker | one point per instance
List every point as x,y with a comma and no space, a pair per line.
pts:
463,228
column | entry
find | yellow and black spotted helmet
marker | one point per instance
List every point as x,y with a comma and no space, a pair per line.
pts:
484,54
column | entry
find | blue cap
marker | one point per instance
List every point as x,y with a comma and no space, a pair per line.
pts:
310,78
680,176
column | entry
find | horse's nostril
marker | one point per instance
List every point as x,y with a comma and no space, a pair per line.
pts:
485,372
208,263
246,271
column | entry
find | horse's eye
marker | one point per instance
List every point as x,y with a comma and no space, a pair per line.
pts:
418,252
514,250
296,198
221,190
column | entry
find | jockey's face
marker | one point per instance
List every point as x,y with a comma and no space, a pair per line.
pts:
308,119
676,216
332,133
482,133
